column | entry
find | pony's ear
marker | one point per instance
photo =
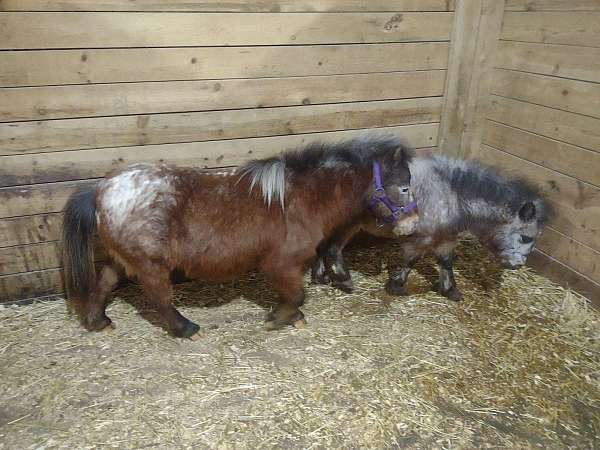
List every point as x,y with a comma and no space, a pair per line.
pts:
527,212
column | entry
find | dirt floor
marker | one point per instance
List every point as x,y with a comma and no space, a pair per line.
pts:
516,364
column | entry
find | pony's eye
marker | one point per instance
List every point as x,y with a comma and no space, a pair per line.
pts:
404,190
526,239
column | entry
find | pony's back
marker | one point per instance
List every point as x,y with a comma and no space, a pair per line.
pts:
451,192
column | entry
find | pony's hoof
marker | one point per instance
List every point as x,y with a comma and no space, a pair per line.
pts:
186,330
279,319
103,324
299,324
394,288
345,286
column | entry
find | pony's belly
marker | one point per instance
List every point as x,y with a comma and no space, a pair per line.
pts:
218,268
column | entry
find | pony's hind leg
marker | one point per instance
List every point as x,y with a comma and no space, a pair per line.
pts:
289,286
447,285
159,294
93,311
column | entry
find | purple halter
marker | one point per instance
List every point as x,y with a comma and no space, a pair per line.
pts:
379,196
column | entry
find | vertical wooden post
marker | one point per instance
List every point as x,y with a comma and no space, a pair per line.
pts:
475,36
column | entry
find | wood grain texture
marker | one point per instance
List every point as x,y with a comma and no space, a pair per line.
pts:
41,198
115,29
56,102
70,134
567,61
227,6
60,67
30,229
460,64
28,258
570,252
41,256
568,159
564,126
577,204
61,166
29,285
569,95
552,5
556,27
474,40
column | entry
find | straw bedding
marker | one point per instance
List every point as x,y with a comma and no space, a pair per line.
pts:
517,364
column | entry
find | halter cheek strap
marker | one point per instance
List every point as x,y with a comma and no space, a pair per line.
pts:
379,196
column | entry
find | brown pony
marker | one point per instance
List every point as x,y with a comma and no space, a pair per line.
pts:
271,215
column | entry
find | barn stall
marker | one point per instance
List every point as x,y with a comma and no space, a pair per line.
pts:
86,87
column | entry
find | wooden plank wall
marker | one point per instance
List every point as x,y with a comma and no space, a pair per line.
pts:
88,86
543,122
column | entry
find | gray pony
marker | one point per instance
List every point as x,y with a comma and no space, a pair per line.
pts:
453,196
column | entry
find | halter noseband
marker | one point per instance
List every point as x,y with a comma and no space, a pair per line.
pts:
379,196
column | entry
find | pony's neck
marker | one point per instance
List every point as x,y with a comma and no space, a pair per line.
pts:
480,215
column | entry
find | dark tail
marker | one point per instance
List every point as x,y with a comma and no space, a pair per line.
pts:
79,225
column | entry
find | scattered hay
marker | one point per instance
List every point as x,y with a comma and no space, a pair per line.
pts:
517,364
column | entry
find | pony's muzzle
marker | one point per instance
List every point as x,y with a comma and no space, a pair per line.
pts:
511,266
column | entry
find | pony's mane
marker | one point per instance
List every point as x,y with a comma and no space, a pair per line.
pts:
270,173
472,180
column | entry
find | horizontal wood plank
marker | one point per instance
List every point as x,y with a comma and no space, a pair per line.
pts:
62,166
34,103
30,229
60,67
32,284
28,258
36,199
564,126
581,63
30,30
46,198
555,27
568,159
227,6
577,204
572,253
42,256
552,5
70,134
569,95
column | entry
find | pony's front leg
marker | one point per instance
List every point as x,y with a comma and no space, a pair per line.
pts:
289,286
159,293
396,284
318,271
330,265
339,274
447,285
